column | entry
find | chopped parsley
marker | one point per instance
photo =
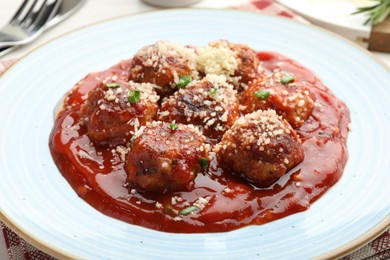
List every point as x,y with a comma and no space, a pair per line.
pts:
184,81
133,97
173,126
168,209
214,91
113,85
188,210
204,163
287,79
262,94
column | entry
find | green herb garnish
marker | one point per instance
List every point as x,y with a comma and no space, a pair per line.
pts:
113,85
188,210
262,94
173,126
287,79
204,162
168,209
213,91
376,13
133,97
184,81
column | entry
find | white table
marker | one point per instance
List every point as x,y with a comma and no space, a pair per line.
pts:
95,11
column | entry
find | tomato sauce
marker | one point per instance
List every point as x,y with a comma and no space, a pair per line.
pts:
98,177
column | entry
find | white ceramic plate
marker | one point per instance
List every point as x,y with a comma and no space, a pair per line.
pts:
37,202
335,15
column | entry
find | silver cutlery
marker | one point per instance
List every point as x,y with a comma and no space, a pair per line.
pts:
24,28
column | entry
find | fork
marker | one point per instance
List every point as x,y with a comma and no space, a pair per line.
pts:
23,28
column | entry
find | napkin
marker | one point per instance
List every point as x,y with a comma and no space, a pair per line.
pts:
17,248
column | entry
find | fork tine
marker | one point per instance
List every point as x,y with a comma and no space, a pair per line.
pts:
29,16
44,14
36,15
19,11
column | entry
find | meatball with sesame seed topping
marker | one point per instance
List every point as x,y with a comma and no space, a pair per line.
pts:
166,157
114,109
210,104
282,92
261,147
165,64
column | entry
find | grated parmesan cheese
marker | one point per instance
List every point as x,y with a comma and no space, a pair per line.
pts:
217,58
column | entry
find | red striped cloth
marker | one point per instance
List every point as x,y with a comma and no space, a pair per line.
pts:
20,249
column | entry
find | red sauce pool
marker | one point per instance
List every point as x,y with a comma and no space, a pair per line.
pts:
99,177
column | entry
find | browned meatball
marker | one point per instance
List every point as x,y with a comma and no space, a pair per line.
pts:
166,157
282,92
113,109
239,62
209,104
260,147
163,64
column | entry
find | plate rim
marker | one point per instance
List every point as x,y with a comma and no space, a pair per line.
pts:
358,242
341,251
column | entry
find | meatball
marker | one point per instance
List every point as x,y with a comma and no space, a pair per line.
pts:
238,62
115,108
164,64
166,157
282,92
210,104
261,147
